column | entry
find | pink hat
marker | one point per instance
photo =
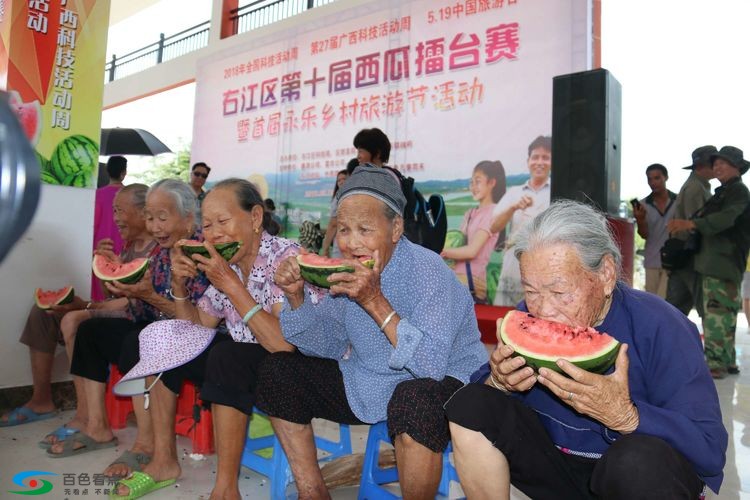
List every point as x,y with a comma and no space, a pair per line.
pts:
164,345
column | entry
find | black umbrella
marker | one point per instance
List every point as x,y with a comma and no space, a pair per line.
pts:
130,141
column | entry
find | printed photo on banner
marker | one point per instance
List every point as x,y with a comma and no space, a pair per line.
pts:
461,89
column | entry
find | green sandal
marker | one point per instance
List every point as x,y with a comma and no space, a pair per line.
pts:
140,484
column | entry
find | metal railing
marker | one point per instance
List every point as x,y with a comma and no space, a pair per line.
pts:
246,18
166,48
264,12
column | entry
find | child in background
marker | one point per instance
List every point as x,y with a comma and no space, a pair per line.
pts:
330,248
487,186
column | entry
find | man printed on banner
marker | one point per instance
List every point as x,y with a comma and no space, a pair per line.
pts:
518,206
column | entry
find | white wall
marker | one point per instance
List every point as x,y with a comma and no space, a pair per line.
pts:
54,252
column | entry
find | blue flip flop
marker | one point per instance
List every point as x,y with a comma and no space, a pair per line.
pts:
61,433
28,414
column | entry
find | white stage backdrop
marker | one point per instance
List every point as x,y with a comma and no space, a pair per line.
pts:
451,83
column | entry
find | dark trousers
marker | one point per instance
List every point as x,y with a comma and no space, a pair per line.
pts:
635,466
298,388
104,341
231,375
684,290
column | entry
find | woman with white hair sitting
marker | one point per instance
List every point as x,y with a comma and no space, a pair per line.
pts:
650,427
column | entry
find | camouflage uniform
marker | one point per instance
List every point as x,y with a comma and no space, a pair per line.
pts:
721,303
725,230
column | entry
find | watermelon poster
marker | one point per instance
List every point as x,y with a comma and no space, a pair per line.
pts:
51,62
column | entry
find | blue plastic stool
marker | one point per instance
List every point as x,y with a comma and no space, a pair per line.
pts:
373,476
276,468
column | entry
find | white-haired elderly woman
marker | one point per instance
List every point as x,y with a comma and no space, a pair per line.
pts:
649,428
390,343
171,214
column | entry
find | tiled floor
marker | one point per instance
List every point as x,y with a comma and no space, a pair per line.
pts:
19,451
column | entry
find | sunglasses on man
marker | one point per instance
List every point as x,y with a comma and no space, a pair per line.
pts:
198,174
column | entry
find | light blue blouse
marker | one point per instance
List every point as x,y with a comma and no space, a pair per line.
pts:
437,335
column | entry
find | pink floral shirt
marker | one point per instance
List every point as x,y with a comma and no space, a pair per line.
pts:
273,251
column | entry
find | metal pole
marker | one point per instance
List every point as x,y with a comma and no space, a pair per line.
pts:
160,52
112,66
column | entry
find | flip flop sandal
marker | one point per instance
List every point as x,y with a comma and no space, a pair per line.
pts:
61,433
139,484
134,461
29,415
89,444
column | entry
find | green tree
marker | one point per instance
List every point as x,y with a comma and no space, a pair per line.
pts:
176,166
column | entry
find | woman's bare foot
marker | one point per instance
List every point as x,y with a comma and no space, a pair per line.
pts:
100,436
157,471
226,493
122,469
76,423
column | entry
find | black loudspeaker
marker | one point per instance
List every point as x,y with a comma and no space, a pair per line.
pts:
586,122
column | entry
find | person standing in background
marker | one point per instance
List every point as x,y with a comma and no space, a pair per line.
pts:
651,215
518,206
683,284
104,221
198,175
724,226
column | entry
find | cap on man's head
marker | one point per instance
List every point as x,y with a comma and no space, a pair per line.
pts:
701,155
732,155
377,182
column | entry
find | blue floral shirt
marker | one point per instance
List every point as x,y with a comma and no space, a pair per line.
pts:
437,335
161,277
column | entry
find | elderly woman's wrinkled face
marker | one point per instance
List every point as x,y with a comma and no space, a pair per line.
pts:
164,221
224,220
558,287
362,228
128,218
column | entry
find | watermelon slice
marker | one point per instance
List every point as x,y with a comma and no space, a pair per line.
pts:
127,273
316,269
543,342
226,250
45,299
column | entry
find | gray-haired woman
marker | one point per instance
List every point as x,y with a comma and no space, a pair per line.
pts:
170,215
649,428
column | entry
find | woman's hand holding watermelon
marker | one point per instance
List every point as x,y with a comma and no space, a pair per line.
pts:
289,279
508,372
143,289
218,271
182,267
605,398
106,247
363,285
61,309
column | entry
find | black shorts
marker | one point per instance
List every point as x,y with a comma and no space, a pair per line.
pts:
231,376
299,388
542,471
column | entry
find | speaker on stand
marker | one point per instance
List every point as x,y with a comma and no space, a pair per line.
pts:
586,132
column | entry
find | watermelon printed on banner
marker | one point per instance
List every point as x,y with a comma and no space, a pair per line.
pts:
74,161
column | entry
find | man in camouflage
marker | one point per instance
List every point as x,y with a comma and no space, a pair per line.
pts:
724,225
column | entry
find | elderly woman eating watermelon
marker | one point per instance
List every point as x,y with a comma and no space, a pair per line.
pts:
648,427
389,343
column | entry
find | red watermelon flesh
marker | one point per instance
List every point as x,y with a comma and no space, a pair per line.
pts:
543,342
47,298
124,272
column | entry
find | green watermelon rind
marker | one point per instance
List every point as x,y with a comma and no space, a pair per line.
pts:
226,250
598,362
454,238
318,275
67,299
128,279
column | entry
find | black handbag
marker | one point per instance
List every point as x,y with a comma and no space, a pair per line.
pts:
676,253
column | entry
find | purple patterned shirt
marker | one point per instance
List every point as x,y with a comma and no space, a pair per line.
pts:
161,276
273,251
